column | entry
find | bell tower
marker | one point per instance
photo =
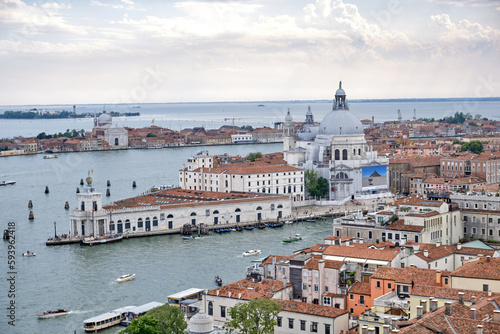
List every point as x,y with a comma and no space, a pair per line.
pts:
288,133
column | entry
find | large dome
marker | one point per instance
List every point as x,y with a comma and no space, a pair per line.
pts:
104,118
340,122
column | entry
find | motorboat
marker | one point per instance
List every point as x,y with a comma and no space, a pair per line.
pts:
251,252
189,238
89,241
51,156
6,183
28,253
124,278
218,280
52,313
289,222
296,237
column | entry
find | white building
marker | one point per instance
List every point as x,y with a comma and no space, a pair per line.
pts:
249,177
338,151
115,136
168,210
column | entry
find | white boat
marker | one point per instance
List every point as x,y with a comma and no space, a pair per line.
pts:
251,252
50,156
28,253
52,314
6,183
289,222
125,278
89,241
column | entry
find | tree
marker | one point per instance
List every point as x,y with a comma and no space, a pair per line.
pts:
474,146
143,325
310,181
151,135
247,127
322,187
258,316
253,156
170,319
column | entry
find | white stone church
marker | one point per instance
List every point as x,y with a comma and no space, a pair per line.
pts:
337,150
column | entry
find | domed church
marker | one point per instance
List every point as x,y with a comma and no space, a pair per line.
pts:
115,136
337,150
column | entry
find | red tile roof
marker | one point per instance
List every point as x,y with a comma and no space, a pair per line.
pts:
362,251
408,275
360,288
483,268
312,309
248,289
445,250
449,293
401,226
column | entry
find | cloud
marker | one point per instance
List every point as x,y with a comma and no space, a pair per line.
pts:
466,3
121,4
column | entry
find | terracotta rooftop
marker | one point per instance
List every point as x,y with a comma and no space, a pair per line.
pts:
458,321
482,268
269,259
248,168
248,289
408,275
401,226
362,251
312,309
445,250
423,214
449,293
419,201
313,264
178,197
360,288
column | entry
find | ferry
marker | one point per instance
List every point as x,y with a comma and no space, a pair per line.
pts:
137,312
51,156
193,293
89,241
251,252
106,320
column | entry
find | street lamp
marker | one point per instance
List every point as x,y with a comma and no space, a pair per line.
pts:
55,233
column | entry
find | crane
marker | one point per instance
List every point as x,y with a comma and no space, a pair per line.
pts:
233,118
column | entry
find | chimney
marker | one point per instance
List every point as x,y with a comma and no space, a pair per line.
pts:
347,243
434,305
394,323
479,329
438,277
419,311
473,312
496,315
239,295
423,303
438,244
473,298
447,310
229,294
387,329
459,246
426,253
371,330
489,293
461,297
364,329
360,240
217,292
387,321
488,258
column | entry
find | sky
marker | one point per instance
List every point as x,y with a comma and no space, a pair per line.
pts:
154,51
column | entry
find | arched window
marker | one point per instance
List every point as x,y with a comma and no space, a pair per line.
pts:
280,206
216,212
237,210
193,214
139,223
344,154
359,151
210,308
116,141
337,154
127,224
341,176
111,225
193,219
170,216
155,221
148,224
259,208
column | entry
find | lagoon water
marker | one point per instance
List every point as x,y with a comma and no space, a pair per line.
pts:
82,278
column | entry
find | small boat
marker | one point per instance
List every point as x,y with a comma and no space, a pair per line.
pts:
124,278
251,252
89,241
6,183
52,314
188,238
312,220
218,280
51,156
289,222
296,237
248,227
28,253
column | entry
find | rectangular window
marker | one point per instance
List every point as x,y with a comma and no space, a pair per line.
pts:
302,325
290,323
361,300
485,287
370,234
316,287
223,311
389,285
351,296
327,328
304,286
378,284
278,320
314,327
389,236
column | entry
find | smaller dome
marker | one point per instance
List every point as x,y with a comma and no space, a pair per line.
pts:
89,180
201,323
288,117
340,92
104,118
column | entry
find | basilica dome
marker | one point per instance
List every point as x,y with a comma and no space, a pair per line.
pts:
340,122
104,118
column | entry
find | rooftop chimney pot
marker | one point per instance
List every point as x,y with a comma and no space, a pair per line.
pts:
496,315
473,312
447,310
461,297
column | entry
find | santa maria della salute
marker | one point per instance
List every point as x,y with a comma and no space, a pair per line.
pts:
336,148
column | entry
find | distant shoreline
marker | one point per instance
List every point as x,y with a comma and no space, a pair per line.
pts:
135,105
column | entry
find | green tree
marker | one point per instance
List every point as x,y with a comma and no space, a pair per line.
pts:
322,187
253,156
151,135
247,127
170,319
258,316
474,146
143,325
310,181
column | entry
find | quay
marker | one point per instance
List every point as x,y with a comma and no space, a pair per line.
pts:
76,240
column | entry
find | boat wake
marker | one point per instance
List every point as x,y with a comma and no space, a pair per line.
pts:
79,311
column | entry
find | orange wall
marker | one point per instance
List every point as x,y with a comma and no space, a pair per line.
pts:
356,306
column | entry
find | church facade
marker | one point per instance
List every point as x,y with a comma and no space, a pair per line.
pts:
336,148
